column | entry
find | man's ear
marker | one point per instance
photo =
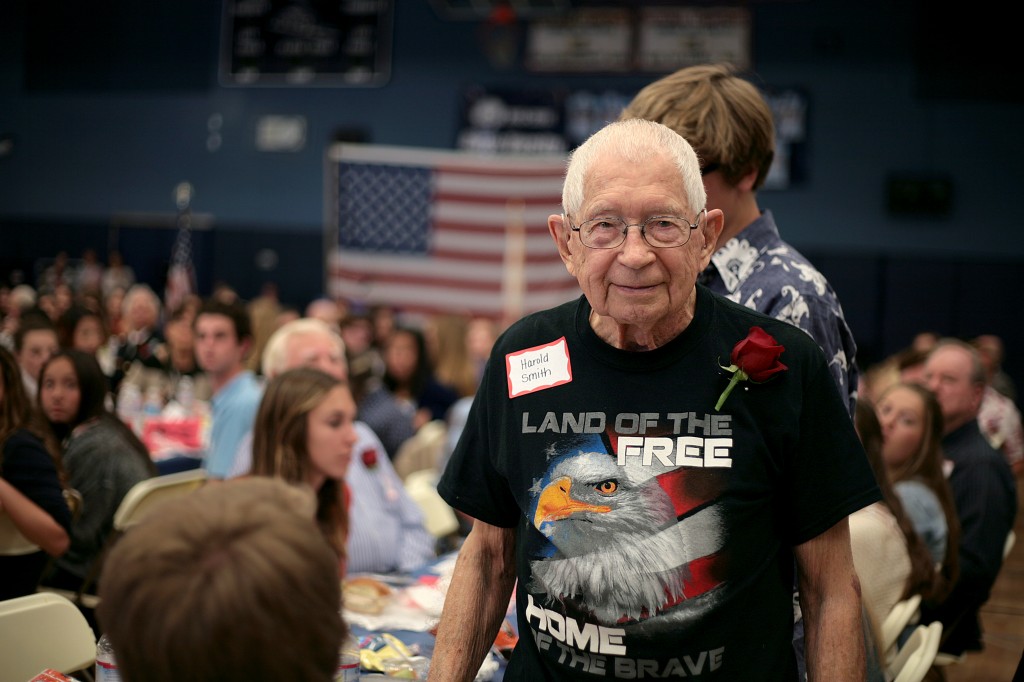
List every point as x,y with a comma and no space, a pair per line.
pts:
713,225
558,226
746,183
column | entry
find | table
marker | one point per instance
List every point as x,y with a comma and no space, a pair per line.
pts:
427,585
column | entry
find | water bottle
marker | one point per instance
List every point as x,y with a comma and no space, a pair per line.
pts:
154,403
348,660
129,406
106,665
185,395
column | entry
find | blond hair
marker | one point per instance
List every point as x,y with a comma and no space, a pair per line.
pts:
723,116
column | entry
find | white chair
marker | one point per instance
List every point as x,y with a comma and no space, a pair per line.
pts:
422,450
43,631
146,495
12,542
915,658
903,613
438,518
139,501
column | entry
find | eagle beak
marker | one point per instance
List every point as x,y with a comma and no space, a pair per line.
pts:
556,503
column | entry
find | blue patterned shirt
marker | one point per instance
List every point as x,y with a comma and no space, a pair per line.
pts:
759,270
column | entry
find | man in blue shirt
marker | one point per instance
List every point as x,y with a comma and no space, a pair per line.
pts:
223,340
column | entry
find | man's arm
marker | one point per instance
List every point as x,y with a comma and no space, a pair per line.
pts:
476,602
831,605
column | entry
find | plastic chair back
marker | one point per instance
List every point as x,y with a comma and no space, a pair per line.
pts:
903,613
146,495
439,518
41,631
12,542
915,658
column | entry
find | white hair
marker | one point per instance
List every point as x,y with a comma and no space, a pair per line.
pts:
633,141
274,361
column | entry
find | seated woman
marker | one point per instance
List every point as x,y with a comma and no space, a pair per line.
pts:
409,375
889,556
31,494
304,434
911,448
102,457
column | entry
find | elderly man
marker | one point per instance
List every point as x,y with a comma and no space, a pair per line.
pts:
646,480
386,531
984,492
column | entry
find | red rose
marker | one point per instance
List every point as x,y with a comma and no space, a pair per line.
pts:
755,358
758,355
369,458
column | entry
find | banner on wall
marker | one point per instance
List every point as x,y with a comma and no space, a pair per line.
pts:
426,230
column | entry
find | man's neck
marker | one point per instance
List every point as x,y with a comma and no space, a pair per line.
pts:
219,381
744,212
957,424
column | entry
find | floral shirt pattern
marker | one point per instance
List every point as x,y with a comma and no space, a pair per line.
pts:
759,270
1000,423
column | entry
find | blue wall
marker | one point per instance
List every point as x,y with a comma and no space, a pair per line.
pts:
82,157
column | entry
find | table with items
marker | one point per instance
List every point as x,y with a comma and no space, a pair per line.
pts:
394,619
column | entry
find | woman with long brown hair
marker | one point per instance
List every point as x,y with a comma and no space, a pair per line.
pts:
304,434
912,426
889,556
102,456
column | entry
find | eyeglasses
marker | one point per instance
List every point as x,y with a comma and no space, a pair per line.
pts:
660,231
709,168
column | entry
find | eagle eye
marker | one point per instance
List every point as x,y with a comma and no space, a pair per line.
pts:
607,487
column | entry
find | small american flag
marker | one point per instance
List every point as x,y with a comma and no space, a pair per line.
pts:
181,276
441,231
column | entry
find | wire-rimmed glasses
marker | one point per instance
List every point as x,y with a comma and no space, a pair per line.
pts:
660,231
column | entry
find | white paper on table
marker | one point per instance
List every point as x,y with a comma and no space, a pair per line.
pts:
412,608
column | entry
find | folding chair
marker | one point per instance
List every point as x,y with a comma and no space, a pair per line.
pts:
917,655
903,613
141,500
43,631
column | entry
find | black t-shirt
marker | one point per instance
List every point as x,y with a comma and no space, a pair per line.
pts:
654,533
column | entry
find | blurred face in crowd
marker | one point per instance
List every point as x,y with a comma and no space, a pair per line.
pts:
947,372
59,393
401,355
141,313
218,350
36,348
331,436
357,335
479,338
317,351
88,335
901,413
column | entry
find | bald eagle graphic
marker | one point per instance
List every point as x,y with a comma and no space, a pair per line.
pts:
618,550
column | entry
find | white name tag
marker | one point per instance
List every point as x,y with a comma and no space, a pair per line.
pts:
537,368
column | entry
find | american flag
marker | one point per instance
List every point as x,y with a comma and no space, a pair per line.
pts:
181,276
442,231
